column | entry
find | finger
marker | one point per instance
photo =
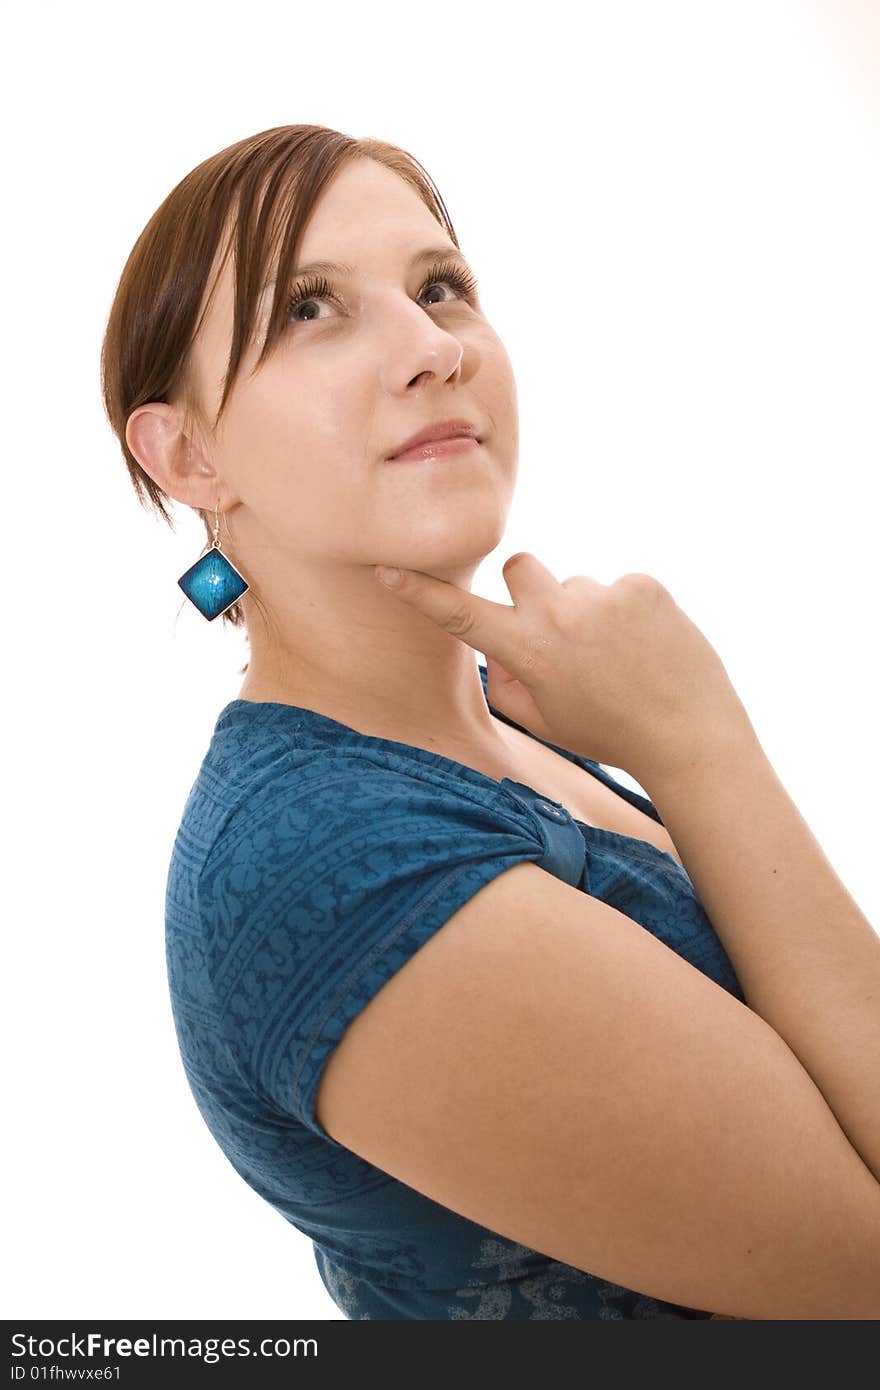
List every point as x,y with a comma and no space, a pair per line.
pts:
492,628
528,580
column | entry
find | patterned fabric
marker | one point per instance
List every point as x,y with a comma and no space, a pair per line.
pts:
311,862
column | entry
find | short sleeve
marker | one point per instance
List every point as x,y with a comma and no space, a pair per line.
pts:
325,883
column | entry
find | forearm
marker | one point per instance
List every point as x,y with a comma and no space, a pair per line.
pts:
808,960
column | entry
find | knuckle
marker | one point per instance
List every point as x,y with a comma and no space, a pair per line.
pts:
581,584
573,604
639,583
460,621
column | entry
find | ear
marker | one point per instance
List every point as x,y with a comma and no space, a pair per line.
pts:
155,435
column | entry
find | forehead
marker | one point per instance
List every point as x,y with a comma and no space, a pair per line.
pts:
366,209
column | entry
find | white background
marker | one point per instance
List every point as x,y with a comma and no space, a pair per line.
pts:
674,216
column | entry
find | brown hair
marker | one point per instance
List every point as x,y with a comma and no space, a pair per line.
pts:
258,193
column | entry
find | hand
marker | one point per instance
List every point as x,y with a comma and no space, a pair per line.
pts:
613,672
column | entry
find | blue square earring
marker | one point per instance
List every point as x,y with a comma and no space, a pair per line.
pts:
213,583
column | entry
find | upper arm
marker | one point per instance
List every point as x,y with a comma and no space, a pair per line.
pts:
545,1067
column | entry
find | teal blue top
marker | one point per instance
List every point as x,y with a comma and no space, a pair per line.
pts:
311,862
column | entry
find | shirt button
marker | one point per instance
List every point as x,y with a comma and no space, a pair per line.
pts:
551,811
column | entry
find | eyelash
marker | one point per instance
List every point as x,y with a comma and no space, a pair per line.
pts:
448,272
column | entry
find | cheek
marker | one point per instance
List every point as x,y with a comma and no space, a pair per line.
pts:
493,386
299,405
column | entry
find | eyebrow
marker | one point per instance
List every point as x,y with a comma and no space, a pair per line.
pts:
430,253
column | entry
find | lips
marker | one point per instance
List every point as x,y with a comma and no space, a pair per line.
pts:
441,429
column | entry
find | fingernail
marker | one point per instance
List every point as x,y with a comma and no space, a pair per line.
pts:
391,577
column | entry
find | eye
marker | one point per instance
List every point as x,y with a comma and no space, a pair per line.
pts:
310,291
451,273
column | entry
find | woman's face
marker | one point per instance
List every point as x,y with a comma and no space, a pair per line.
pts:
302,446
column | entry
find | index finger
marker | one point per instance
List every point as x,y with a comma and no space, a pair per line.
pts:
496,628
489,627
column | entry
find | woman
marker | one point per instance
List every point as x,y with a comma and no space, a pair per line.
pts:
501,1038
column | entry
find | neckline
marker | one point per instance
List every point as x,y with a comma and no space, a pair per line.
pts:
481,779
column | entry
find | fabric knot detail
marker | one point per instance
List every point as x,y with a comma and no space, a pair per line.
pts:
564,848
